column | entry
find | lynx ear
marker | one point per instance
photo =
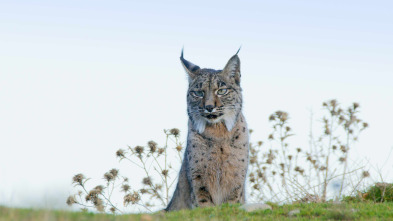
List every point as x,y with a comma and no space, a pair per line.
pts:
232,69
189,67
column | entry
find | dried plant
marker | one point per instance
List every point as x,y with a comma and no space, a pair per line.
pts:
278,171
158,181
282,173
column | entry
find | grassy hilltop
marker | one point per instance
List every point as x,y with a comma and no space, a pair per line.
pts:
321,211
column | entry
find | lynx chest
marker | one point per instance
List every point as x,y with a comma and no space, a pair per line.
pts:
219,162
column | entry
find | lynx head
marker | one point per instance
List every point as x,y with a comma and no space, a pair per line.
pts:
213,96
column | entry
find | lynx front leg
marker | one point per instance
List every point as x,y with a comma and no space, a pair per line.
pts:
200,194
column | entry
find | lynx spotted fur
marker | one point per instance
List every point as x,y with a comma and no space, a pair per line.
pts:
216,157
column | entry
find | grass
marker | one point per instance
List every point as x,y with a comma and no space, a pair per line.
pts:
321,211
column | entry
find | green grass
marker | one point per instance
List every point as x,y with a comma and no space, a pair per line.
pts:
322,211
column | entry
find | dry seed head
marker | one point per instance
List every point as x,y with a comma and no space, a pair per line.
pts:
98,202
260,143
365,124
322,168
252,179
152,145
333,103
253,159
161,150
131,198
342,159
250,131
179,148
355,105
343,149
290,157
147,181
78,179
143,191
274,172
158,186
120,153
347,124
125,179
175,132
164,172
98,189
272,117
327,130
287,128
334,147
114,172
71,200
271,153
138,150
100,207
341,119
365,174
125,187
299,170
108,176
88,197
92,196
298,149
271,137
283,116
112,209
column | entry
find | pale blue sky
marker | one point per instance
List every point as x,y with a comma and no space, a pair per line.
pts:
81,79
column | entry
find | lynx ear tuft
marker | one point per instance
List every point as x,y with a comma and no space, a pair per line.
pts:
189,67
232,68
238,50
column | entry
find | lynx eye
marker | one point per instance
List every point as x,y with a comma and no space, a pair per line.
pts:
198,93
222,91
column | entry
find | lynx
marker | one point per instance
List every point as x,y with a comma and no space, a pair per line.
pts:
215,161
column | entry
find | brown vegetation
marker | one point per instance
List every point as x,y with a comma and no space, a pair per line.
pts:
278,171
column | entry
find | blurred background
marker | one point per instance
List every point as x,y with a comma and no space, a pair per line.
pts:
81,79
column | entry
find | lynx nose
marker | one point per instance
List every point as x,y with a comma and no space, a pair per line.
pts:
209,108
